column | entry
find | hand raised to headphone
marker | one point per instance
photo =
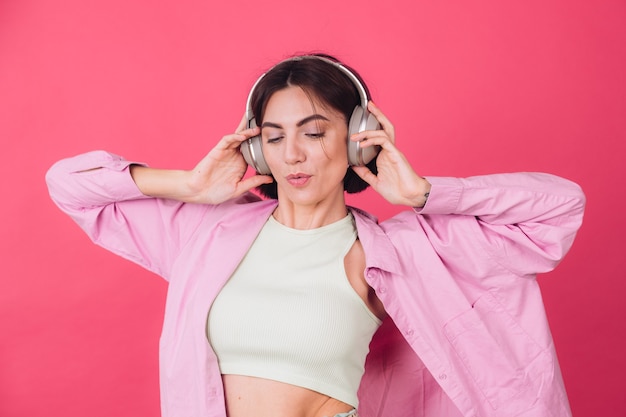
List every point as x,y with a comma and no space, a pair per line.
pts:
219,176
396,180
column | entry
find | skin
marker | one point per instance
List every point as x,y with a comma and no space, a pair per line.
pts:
305,148
304,144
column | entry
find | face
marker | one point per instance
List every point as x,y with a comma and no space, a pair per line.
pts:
304,145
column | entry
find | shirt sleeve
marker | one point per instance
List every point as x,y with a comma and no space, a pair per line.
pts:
525,221
97,191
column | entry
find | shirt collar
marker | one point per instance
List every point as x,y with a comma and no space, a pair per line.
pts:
379,250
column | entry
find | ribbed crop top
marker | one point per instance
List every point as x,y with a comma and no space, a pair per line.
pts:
289,313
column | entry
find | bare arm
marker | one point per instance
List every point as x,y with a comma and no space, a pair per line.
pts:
216,178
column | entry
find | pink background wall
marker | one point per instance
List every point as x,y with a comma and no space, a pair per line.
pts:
472,87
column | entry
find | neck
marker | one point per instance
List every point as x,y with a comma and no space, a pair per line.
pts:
304,217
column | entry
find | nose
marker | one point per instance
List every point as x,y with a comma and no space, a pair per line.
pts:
293,151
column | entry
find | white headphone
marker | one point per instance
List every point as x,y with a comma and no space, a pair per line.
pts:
360,120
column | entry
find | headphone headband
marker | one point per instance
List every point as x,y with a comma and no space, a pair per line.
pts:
355,80
360,120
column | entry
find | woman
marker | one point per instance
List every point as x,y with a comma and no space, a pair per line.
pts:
299,306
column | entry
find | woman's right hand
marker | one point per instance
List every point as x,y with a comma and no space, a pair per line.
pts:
216,178
219,175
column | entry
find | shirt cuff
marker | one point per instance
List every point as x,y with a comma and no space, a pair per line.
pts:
118,182
444,196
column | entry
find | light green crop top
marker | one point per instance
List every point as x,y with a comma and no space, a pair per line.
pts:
289,313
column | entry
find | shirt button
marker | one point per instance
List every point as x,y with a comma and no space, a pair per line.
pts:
382,290
410,332
443,376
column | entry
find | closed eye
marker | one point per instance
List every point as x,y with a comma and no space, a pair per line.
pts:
274,139
319,135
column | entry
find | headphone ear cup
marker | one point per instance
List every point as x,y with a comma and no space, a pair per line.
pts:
353,127
360,121
252,151
369,153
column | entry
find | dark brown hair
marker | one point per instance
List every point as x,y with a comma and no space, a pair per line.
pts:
321,80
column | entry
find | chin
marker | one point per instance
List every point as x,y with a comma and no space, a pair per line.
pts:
306,197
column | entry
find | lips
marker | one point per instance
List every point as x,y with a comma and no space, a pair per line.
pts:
298,179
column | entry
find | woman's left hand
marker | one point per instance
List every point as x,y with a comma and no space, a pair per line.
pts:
396,180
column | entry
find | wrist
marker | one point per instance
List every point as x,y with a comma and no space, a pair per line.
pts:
421,197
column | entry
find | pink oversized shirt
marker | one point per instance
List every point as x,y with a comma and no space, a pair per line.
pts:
466,333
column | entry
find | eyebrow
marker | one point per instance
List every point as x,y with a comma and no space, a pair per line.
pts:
299,124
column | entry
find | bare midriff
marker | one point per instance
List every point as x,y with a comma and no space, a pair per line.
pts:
250,396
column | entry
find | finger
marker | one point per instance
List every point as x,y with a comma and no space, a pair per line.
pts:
253,182
386,146
248,133
234,139
385,123
371,138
